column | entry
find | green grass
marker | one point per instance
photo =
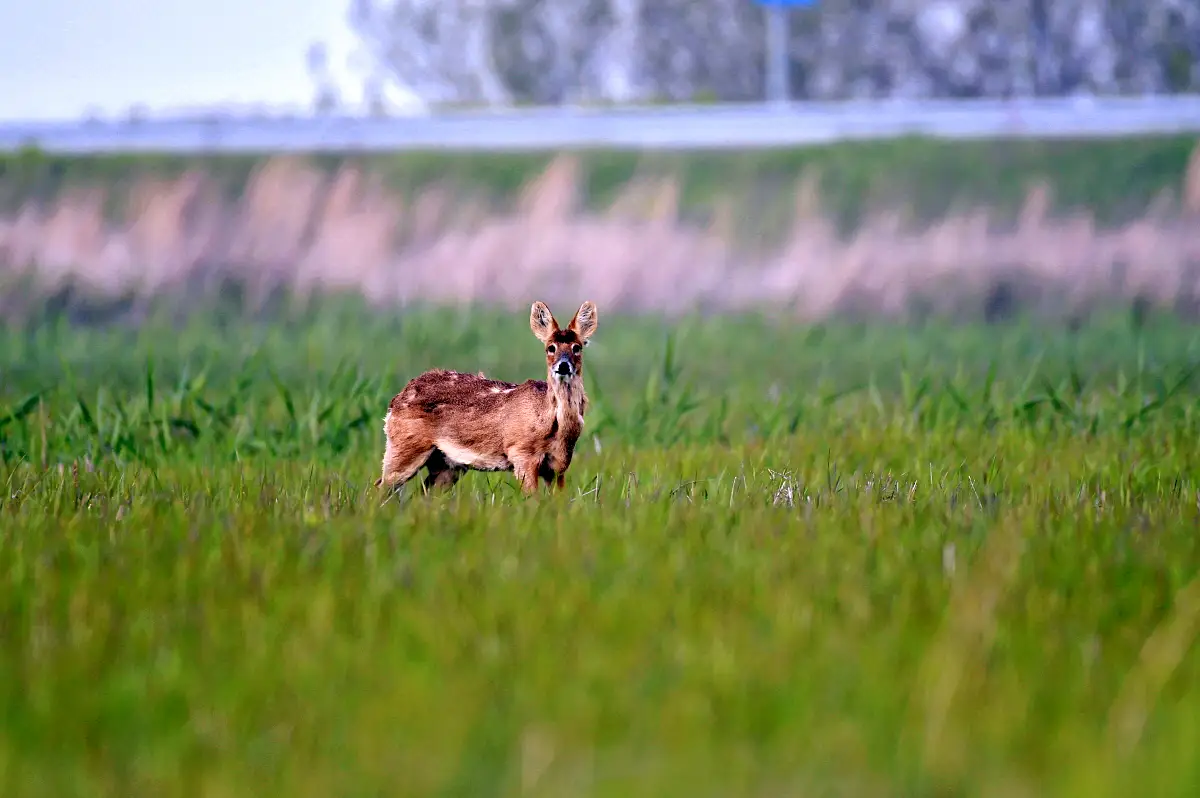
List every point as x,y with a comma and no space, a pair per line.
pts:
836,560
1115,179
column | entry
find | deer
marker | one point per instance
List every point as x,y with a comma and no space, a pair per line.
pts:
450,422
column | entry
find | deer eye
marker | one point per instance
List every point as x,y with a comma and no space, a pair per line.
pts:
550,349
576,348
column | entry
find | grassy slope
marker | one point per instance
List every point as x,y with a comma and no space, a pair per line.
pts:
1115,179
877,560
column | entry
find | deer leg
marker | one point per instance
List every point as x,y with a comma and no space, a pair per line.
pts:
527,472
448,478
441,474
555,480
401,462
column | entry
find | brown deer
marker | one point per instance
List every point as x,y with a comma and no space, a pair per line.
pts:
451,422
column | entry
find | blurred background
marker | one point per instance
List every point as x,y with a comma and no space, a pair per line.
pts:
631,150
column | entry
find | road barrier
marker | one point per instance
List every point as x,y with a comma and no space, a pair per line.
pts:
665,127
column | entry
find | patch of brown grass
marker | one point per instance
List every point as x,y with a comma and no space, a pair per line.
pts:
298,227
1191,184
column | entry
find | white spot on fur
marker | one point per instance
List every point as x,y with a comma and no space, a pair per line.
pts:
461,455
498,390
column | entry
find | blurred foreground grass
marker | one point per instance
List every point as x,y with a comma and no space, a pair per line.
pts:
835,560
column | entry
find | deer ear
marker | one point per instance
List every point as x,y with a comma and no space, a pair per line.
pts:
542,321
584,323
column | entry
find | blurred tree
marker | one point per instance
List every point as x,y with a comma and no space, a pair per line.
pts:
501,52
374,95
326,99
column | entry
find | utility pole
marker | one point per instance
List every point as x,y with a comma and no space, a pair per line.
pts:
779,61
778,90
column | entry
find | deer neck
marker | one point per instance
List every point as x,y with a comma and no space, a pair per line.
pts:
565,402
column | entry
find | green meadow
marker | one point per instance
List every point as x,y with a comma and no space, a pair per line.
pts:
851,559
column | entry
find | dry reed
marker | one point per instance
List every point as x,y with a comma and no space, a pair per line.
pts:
299,227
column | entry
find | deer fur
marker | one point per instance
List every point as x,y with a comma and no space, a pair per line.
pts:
450,422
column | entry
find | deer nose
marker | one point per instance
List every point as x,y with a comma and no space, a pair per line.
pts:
562,367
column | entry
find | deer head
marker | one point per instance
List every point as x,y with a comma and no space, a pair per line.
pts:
564,348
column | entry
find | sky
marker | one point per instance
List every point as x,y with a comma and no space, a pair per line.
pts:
62,59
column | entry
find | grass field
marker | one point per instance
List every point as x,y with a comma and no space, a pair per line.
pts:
792,560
